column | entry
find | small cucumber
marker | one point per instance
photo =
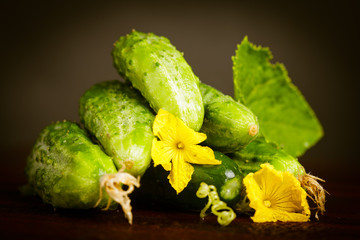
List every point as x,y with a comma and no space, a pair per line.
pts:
121,120
64,167
228,125
157,190
260,151
154,66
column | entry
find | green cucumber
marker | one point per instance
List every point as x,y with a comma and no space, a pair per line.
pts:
121,120
157,190
228,125
155,67
64,167
261,151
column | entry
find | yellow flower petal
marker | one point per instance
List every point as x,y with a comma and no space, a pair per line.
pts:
268,179
180,174
166,166
276,196
254,192
294,197
162,153
165,126
266,215
200,155
188,135
176,149
298,195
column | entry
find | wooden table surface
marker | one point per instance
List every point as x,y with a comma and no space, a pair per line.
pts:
28,218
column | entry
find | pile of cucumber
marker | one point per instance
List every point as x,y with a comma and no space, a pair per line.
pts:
115,132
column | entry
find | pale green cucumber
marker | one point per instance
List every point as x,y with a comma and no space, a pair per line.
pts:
228,125
65,167
154,66
121,120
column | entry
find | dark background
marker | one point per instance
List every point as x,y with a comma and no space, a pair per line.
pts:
52,51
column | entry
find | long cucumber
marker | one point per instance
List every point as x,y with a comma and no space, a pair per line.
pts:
157,190
121,120
228,125
155,67
64,167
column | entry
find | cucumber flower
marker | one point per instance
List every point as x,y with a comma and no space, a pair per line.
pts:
175,148
276,196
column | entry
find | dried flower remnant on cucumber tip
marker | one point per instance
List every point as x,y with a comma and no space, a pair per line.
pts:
314,191
114,186
253,130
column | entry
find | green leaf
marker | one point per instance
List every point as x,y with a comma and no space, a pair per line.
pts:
285,117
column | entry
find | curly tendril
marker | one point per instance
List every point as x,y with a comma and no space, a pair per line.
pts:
225,215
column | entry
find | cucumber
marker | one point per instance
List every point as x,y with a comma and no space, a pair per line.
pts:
260,151
157,190
121,120
228,125
154,66
64,167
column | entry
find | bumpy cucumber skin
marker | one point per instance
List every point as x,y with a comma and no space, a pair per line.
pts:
157,190
64,167
121,120
260,151
227,122
154,66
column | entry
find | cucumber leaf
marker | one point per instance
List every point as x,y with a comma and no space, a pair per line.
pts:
284,115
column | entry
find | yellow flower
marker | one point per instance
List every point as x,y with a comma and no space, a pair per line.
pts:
276,196
177,148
